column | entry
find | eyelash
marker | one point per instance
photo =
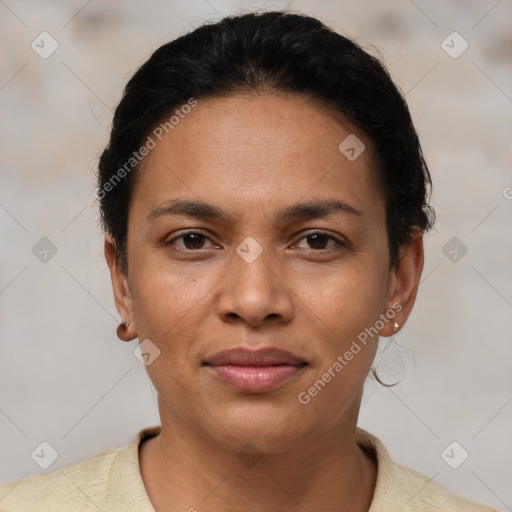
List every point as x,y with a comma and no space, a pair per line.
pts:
312,233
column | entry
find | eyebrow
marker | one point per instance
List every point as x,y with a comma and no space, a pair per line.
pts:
308,210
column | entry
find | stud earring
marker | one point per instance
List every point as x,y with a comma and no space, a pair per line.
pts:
395,326
122,331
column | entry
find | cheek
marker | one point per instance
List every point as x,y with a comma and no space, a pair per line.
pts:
339,310
340,319
169,311
169,302
351,295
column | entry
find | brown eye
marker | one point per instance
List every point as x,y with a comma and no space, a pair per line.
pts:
320,241
317,241
190,241
193,241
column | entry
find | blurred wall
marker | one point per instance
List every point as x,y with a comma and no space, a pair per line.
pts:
66,379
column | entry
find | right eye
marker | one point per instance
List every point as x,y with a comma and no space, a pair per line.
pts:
190,241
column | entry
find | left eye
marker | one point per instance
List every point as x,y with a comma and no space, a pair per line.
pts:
319,241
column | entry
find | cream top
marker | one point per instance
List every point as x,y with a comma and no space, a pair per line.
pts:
111,481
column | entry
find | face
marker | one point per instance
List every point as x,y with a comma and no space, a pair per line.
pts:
248,228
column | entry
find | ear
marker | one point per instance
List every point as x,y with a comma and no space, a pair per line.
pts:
122,294
403,283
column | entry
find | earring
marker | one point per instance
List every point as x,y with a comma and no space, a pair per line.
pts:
395,326
122,331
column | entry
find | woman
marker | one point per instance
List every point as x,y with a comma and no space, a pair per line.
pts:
264,197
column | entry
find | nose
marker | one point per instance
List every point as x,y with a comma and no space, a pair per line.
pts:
255,293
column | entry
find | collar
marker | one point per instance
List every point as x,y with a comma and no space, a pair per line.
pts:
126,474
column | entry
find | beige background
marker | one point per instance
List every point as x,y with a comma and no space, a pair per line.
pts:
64,376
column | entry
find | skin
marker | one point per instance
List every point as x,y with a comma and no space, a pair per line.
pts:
251,156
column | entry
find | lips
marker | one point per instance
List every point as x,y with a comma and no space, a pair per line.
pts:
255,371
262,357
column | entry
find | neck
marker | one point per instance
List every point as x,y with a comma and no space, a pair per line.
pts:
184,470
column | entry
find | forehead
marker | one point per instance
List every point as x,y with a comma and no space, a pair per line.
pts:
243,151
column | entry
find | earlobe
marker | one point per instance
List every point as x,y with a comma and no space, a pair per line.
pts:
404,282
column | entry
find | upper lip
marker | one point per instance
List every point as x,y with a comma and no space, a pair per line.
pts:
262,357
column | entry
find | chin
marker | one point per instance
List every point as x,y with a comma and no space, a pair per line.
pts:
269,426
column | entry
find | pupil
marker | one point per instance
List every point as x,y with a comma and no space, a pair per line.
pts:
318,241
193,241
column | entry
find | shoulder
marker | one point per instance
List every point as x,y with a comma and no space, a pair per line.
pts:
422,493
65,487
401,488
97,483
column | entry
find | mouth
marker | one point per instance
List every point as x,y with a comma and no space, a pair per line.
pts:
251,371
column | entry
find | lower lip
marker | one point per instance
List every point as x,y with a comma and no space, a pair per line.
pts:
255,379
